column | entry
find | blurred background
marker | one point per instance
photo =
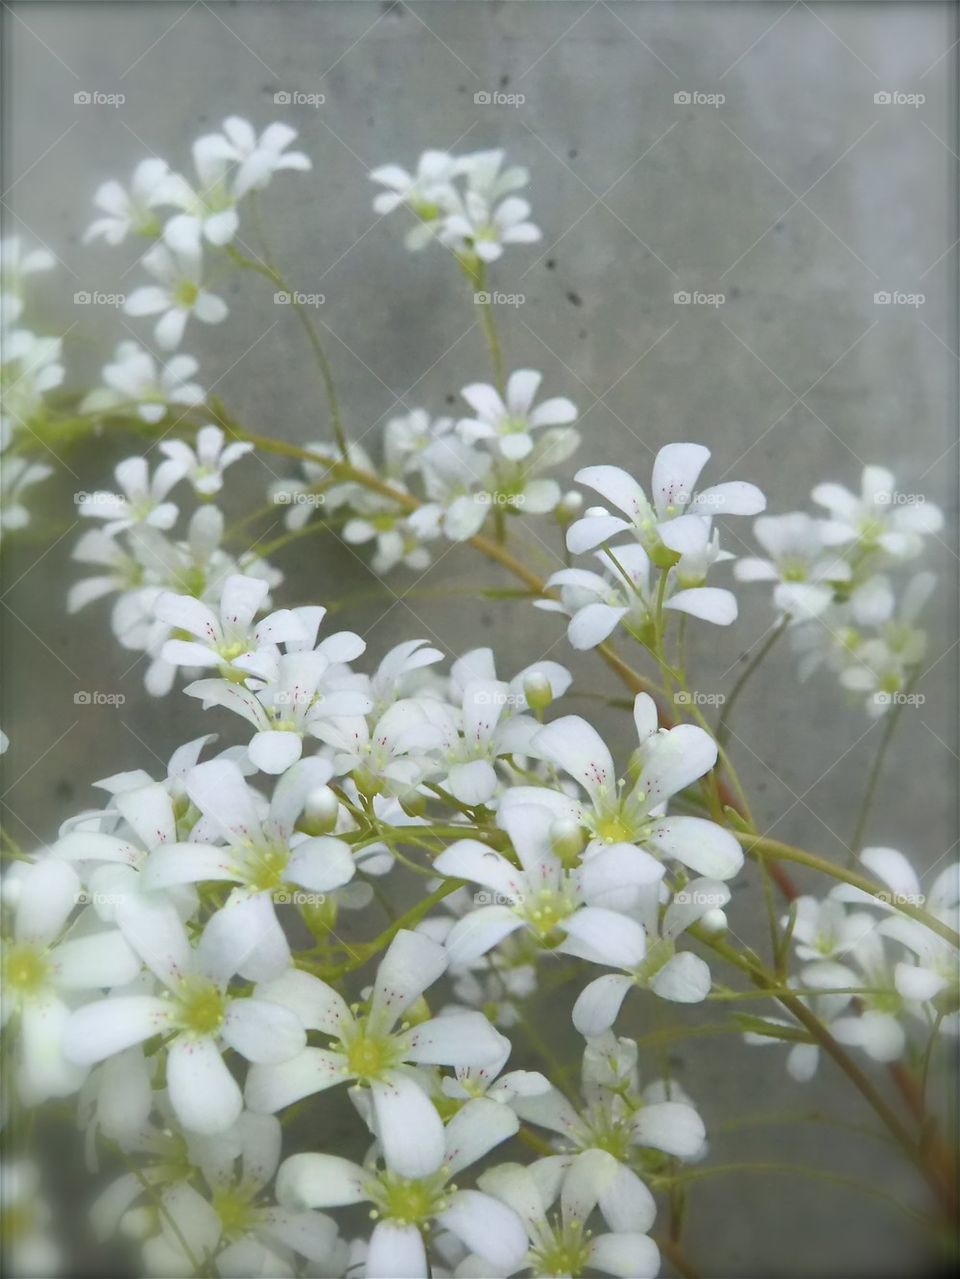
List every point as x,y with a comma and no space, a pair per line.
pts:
798,197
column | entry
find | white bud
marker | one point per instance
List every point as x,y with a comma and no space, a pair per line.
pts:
595,512
322,809
569,506
537,690
567,839
715,920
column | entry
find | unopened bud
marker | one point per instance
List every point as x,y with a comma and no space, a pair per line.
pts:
413,802
322,810
595,512
569,506
537,690
367,783
567,839
715,920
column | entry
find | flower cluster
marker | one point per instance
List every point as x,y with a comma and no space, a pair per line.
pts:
464,203
835,584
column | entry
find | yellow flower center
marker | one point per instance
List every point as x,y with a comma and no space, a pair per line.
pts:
26,968
200,1006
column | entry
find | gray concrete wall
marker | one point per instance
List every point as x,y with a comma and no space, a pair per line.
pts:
798,198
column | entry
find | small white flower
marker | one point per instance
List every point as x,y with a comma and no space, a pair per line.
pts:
195,1012
125,212
428,194
17,264
17,474
509,422
623,813
133,378
805,571
258,159
408,1204
44,966
141,500
481,227
31,367
369,1047
876,519
177,265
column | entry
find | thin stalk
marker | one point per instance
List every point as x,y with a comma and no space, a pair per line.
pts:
863,816
723,728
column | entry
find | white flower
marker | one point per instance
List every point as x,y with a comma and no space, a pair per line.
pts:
210,208
646,952
177,265
482,227
540,895
408,1205
44,966
225,640
597,604
882,666
17,474
805,571
195,1012
428,194
205,463
125,212
264,855
31,367
615,812
405,438
28,1246
456,477
561,1244
657,524
393,751
369,1047
258,159
396,537
509,422
17,263
236,1220
141,500
879,518
133,378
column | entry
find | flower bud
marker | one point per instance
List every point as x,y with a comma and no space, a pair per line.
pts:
595,512
537,690
569,506
322,810
413,802
714,921
567,840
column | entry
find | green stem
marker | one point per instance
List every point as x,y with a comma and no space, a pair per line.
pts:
723,725
873,780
